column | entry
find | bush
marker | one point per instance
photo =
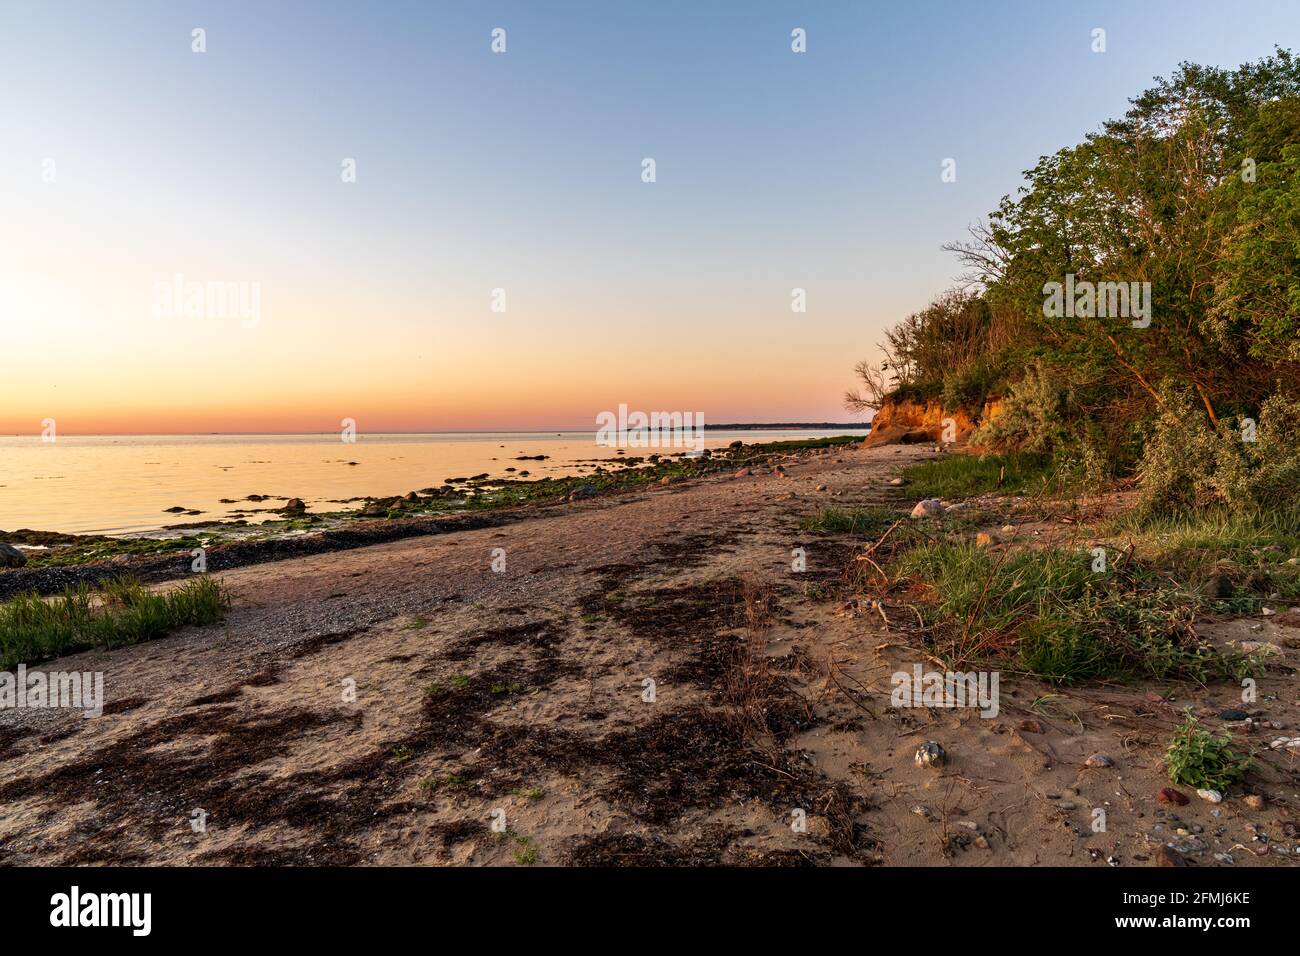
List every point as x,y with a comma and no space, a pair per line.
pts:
1189,464
1034,416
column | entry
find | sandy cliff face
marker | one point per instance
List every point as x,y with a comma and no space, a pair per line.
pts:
909,422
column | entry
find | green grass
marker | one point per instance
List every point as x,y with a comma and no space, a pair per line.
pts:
1197,758
868,521
1062,621
799,444
526,855
34,629
963,476
1252,549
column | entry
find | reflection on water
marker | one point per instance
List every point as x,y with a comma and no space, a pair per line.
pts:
122,483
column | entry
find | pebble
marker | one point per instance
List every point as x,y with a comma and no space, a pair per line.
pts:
930,754
1170,795
1099,760
928,508
1167,856
1212,796
1254,801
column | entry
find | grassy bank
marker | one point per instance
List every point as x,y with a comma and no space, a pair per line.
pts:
124,612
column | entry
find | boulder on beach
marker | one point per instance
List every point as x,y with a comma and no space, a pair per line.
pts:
583,491
294,506
11,557
929,508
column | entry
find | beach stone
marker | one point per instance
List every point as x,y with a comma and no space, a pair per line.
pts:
1210,796
930,754
666,480
1234,715
1030,726
983,540
1170,795
583,491
1218,587
1254,801
294,506
821,488
1168,856
11,557
743,473
898,482
929,508
1099,760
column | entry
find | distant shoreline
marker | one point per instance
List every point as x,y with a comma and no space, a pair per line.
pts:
732,426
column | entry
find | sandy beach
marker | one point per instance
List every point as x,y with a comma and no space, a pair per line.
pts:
508,716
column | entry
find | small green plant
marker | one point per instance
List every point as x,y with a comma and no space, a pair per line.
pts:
402,753
459,680
1197,758
526,855
532,793
417,623
499,689
866,521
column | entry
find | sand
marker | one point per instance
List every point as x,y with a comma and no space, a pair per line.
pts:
507,717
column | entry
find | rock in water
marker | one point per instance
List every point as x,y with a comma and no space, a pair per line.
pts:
930,754
11,557
294,506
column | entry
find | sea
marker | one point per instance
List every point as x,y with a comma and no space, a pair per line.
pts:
126,484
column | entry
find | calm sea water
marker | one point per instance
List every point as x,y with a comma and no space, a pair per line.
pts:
115,484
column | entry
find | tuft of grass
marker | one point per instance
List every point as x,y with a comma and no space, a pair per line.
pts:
34,629
866,521
967,475
1066,622
526,854
1251,548
1197,758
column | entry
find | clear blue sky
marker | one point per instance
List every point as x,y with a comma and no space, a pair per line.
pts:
775,170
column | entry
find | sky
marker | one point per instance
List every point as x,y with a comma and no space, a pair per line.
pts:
130,163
